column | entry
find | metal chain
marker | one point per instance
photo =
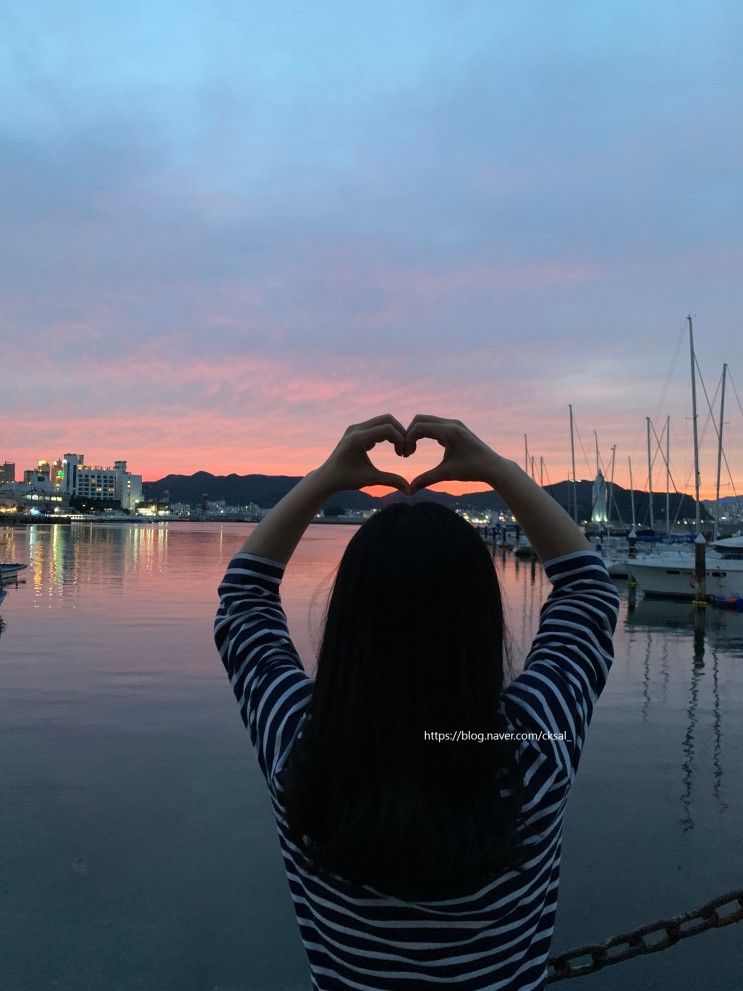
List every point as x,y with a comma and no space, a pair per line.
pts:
589,959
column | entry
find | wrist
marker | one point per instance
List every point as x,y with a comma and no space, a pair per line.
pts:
497,469
322,481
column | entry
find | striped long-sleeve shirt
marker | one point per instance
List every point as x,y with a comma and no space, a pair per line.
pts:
498,938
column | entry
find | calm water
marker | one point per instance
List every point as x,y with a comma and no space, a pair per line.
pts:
137,846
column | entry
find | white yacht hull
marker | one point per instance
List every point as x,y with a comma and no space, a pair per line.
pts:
675,577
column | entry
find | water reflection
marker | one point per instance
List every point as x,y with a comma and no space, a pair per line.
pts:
700,629
646,678
65,561
124,747
719,627
62,558
716,763
687,765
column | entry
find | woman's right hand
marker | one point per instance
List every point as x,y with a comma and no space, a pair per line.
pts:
466,457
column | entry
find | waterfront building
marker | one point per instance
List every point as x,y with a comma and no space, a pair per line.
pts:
154,508
70,465
111,484
7,472
31,496
130,486
38,476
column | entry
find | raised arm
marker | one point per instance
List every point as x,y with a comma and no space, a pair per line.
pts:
250,628
550,530
266,674
569,661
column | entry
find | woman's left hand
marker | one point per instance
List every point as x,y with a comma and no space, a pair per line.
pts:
349,467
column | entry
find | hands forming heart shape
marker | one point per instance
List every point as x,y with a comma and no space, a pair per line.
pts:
466,457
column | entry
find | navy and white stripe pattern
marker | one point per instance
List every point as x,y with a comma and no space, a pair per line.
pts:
498,938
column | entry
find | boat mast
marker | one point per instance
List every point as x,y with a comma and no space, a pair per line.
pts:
650,477
572,454
631,492
668,476
719,451
596,441
694,424
611,485
541,471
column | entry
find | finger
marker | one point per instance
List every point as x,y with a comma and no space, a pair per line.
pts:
418,418
394,481
382,418
440,430
367,438
430,418
427,478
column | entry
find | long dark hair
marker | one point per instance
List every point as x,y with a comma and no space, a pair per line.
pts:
413,644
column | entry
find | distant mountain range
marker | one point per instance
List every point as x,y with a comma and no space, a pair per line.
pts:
267,490
724,501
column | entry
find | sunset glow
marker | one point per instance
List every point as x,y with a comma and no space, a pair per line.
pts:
228,233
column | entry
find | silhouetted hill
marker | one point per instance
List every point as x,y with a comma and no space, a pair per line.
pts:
266,490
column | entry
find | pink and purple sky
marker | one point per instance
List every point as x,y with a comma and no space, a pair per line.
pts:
229,230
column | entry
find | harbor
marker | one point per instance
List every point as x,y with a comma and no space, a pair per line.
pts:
128,781
303,278
700,560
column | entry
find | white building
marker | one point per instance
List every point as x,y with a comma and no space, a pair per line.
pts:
31,495
598,497
95,482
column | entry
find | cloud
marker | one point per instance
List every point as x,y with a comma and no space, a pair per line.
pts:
222,234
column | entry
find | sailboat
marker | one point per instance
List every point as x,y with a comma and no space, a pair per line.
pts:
673,575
